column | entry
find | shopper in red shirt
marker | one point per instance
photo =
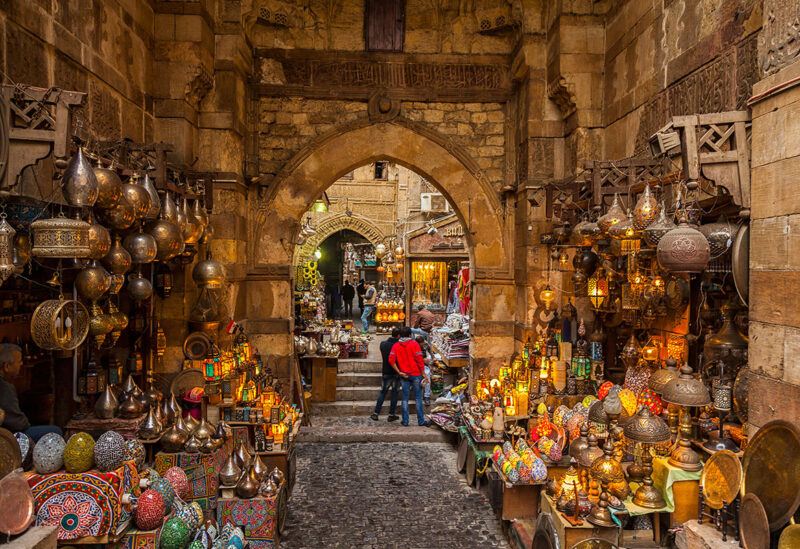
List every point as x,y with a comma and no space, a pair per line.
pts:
406,359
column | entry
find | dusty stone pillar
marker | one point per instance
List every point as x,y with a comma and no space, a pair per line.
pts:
775,221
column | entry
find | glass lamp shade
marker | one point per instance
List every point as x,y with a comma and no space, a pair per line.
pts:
686,390
597,289
614,215
631,352
319,206
547,295
569,482
646,209
650,350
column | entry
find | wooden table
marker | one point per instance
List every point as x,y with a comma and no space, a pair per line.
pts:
513,501
568,534
96,426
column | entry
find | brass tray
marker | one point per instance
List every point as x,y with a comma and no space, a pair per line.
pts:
16,500
790,537
721,479
10,456
771,467
187,380
740,262
196,346
753,523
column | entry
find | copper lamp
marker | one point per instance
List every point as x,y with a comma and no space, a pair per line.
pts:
605,470
647,429
685,391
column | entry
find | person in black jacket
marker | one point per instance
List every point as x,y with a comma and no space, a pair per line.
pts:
389,378
348,293
361,289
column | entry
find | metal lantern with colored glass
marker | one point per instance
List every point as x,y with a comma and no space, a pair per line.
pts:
647,429
597,288
685,391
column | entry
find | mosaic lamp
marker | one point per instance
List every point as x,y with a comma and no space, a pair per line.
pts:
605,470
685,391
647,429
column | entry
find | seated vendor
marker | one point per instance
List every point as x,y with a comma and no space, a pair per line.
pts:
14,419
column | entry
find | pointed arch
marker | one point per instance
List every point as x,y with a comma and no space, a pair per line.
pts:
334,224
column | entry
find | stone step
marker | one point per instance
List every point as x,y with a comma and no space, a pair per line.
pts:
354,408
363,393
359,379
381,432
353,365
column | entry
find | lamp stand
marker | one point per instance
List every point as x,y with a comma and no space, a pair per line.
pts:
683,456
600,515
647,495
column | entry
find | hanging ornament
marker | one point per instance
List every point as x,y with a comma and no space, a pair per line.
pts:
7,233
79,183
661,226
684,249
155,201
109,186
614,215
137,197
646,209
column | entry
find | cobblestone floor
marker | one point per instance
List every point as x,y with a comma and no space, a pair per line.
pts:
386,495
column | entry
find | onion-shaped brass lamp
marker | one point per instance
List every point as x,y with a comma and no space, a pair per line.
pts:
685,391
614,215
647,429
605,470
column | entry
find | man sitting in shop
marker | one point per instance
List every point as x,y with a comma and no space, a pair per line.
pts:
389,378
423,323
14,418
370,298
406,358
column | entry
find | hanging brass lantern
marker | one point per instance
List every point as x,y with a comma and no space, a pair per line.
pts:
193,229
79,184
137,197
117,261
120,216
209,273
200,213
719,235
163,280
141,246
21,254
646,209
684,249
60,237
59,324
99,241
93,281
627,235
109,186
100,324
661,226
614,215
139,288
155,201
597,288
7,232
168,237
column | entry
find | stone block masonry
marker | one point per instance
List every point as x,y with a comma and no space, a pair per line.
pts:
287,124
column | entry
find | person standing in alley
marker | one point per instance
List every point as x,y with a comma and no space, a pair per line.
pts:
389,378
348,293
406,358
370,298
361,289
426,359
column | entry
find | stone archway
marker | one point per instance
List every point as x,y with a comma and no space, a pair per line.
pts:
277,222
334,224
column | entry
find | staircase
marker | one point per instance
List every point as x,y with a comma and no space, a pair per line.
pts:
358,383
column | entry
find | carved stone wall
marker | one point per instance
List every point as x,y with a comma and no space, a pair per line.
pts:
689,56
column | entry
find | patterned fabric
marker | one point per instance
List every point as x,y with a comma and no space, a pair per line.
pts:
79,505
258,517
201,471
138,539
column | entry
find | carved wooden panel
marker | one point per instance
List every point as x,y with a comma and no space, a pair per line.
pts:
722,85
610,177
357,76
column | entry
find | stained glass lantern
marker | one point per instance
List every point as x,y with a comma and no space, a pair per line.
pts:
552,347
628,400
603,390
597,288
646,209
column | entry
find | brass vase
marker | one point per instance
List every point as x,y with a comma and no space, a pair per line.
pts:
247,487
230,472
173,439
106,405
192,445
259,468
242,456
